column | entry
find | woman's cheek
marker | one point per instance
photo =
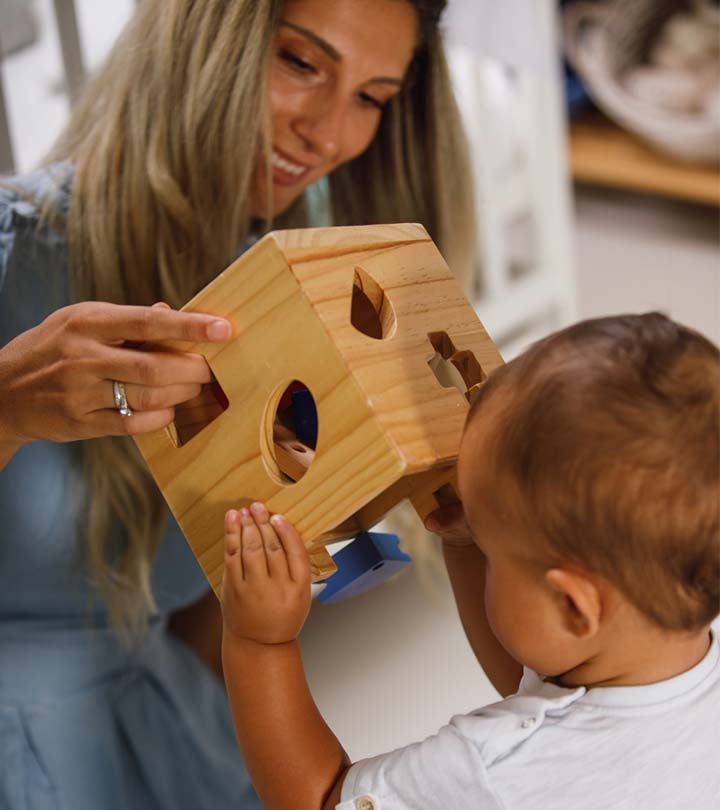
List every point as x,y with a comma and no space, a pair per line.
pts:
360,133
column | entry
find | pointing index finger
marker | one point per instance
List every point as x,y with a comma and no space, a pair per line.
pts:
142,324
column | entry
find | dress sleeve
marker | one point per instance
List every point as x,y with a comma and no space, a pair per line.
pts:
6,237
20,215
444,771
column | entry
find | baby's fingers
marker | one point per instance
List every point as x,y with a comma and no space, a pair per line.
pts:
232,533
251,548
233,563
297,555
274,552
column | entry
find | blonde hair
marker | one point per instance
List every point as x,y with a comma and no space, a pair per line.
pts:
164,143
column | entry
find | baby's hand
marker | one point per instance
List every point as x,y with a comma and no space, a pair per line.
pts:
450,523
266,584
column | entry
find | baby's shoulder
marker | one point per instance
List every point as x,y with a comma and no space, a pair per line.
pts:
537,746
503,728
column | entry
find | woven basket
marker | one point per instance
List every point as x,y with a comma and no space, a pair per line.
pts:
605,39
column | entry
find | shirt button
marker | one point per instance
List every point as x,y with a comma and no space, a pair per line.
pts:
529,722
364,803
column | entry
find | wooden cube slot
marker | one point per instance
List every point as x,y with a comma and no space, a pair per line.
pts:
355,315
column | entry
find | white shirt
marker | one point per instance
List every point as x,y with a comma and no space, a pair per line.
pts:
552,748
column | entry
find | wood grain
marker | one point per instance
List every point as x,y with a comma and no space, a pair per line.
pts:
388,429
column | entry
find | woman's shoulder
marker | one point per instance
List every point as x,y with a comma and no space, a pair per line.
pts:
24,235
23,197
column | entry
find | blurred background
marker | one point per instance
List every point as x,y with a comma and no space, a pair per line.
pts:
595,133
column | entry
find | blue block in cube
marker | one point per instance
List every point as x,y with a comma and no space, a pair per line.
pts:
371,559
305,417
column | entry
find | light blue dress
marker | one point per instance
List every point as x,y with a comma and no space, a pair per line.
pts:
83,724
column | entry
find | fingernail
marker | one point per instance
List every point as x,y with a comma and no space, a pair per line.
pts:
276,520
219,330
257,508
432,525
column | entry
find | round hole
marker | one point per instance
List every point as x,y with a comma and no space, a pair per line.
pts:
290,432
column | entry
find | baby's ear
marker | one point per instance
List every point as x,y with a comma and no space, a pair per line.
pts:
579,600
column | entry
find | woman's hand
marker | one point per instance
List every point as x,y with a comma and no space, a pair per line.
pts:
450,523
266,584
57,378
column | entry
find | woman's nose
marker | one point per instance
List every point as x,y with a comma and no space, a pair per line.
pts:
320,125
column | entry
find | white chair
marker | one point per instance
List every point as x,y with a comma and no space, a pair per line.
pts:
505,58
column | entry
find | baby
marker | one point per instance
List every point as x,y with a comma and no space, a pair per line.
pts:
587,577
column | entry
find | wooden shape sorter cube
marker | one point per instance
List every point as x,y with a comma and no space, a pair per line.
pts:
372,323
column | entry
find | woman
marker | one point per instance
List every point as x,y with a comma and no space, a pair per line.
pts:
209,123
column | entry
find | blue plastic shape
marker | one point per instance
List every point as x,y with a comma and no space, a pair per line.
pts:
305,417
371,559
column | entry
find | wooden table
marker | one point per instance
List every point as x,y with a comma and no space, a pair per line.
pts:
603,154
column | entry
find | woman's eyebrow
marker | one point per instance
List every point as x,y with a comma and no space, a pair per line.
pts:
333,53
313,37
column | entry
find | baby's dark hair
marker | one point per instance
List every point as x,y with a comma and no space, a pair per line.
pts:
610,430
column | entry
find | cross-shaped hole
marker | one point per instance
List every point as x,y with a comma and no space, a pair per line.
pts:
453,368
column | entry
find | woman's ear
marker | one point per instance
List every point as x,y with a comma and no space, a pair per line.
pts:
580,601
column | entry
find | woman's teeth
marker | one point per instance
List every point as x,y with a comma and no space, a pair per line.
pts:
286,165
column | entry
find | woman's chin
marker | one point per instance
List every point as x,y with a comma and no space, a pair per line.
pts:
282,200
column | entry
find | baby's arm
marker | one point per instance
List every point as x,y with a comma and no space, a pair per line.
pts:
293,758
466,568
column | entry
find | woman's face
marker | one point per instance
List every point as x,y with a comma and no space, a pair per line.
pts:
333,66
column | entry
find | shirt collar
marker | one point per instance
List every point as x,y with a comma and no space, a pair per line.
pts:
626,696
648,694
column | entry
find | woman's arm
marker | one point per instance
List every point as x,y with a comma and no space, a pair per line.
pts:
465,565
10,443
8,447
7,451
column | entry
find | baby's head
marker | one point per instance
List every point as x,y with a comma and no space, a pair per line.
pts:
589,470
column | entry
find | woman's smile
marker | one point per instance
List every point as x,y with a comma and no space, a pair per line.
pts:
285,170
331,72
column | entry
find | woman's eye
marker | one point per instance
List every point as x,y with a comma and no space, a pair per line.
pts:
371,102
296,62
